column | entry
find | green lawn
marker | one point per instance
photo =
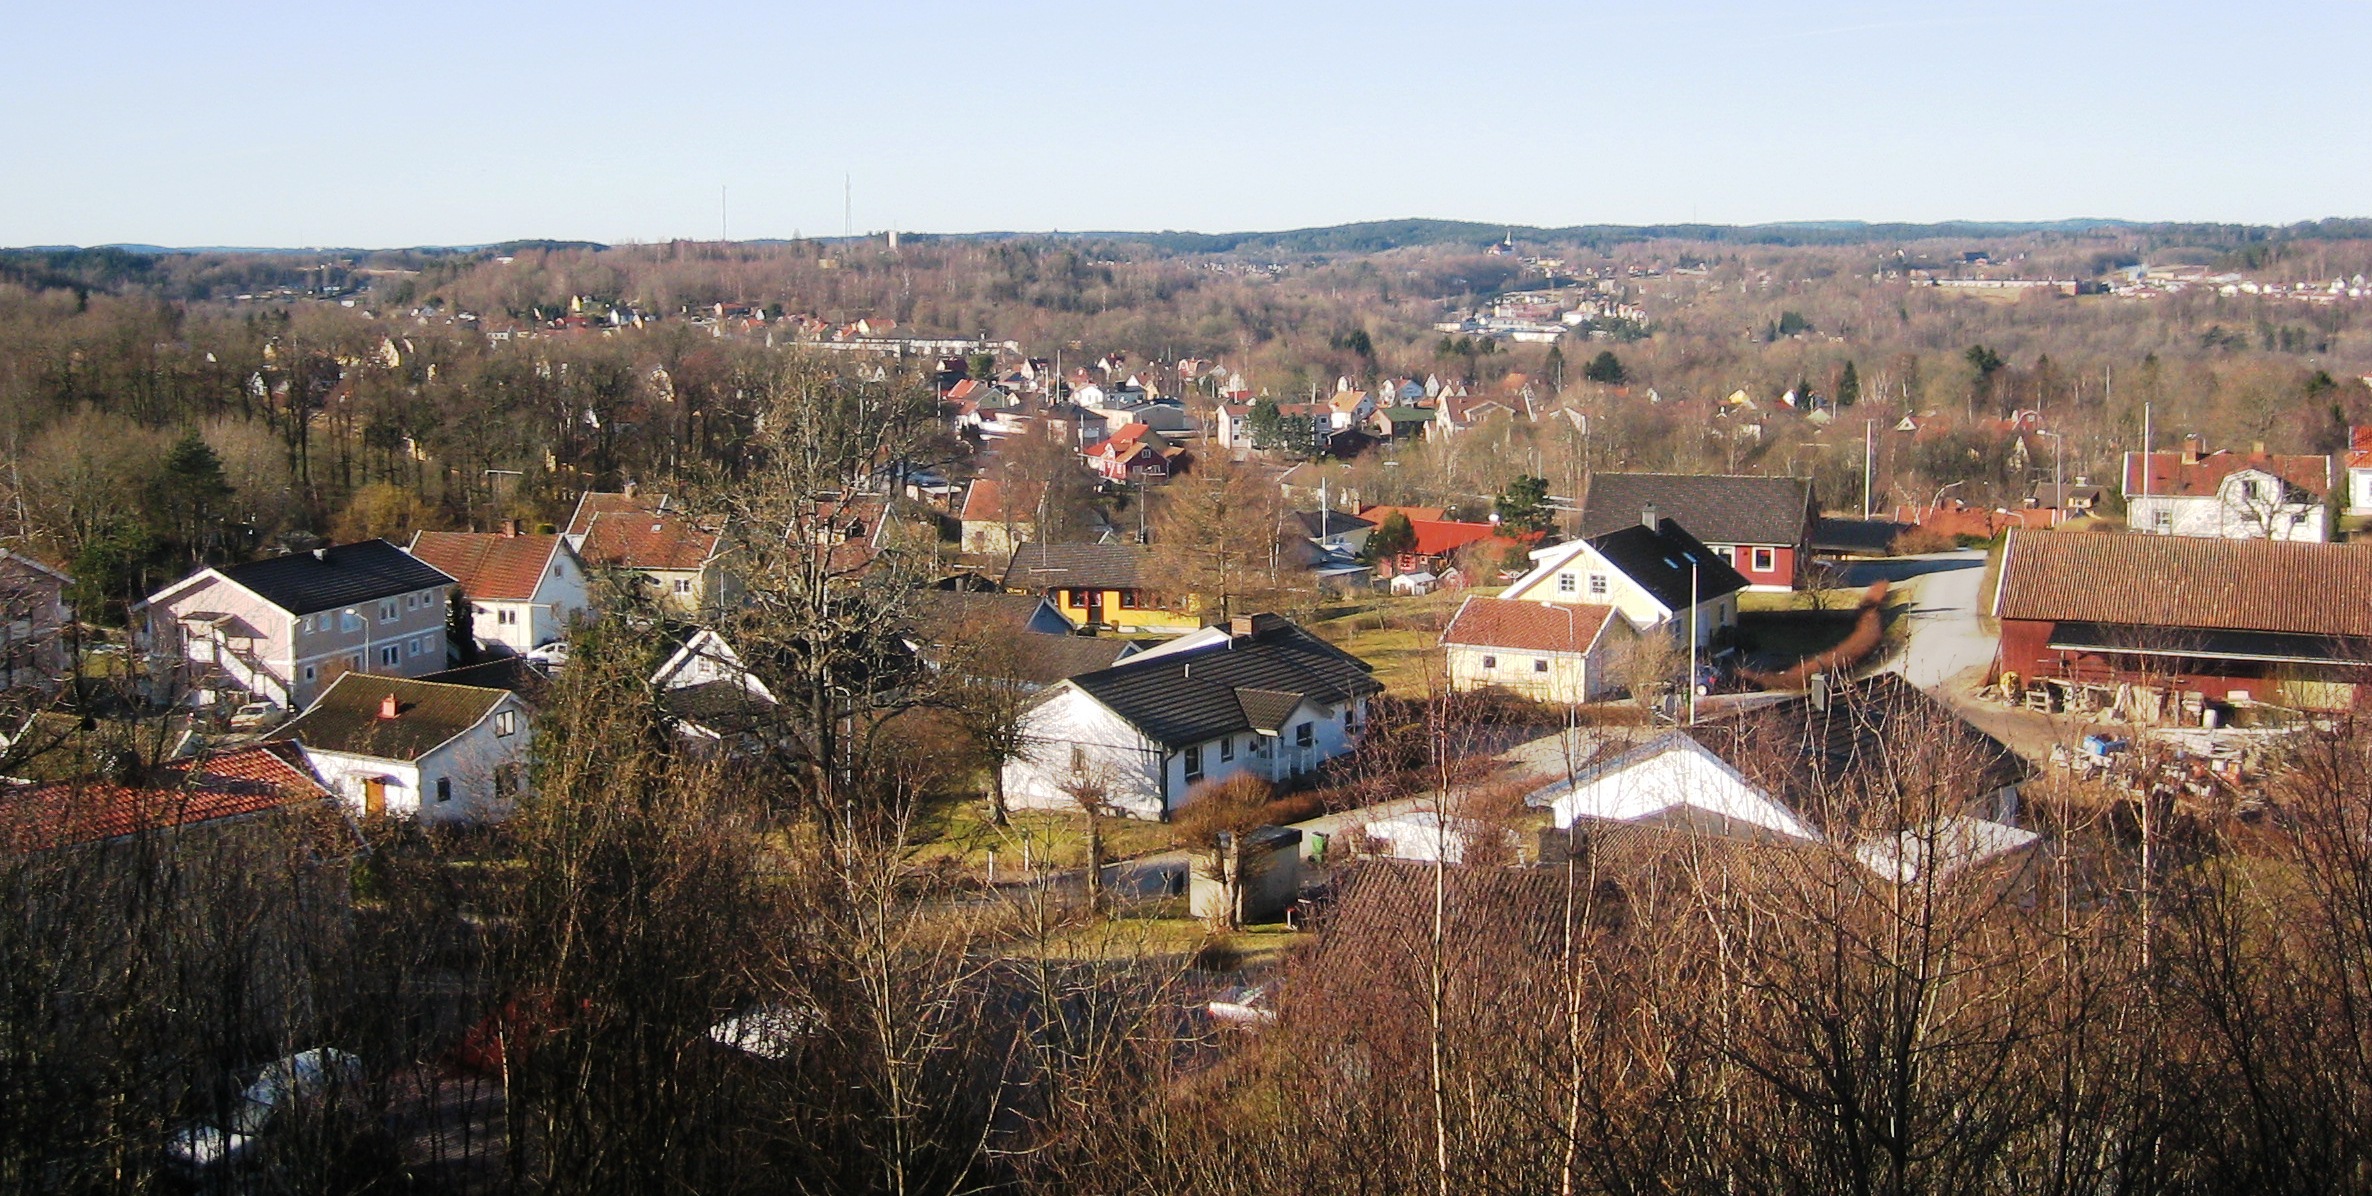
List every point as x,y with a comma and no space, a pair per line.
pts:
1401,637
960,829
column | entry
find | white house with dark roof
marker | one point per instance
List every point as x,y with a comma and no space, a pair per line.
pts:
417,749
1653,571
281,629
1260,695
1761,526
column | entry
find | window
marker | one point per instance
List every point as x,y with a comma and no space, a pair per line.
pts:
1565,583
507,618
2248,489
1597,585
412,647
411,602
1766,559
387,611
477,610
349,620
1539,664
506,722
311,672
683,585
354,662
1227,749
1490,662
1194,763
2162,519
1350,721
390,654
1128,600
444,789
1078,760
506,779
1305,735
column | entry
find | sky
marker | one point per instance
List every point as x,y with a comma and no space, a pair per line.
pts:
328,122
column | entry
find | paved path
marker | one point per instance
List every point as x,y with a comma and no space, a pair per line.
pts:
1946,640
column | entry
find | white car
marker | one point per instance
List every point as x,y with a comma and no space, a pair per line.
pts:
551,655
306,1075
257,716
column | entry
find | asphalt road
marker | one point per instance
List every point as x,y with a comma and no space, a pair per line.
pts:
1946,642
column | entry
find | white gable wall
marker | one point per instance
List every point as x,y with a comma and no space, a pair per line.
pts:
1684,774
1578,564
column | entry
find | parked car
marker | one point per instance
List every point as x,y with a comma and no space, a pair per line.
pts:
552,655
258,716
304,1076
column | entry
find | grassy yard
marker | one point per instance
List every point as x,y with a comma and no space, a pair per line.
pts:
1401,637
960,830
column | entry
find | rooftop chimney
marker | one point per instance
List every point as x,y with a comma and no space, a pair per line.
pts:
1647,517
1816,691
630,489
2193,448
510,527
321,554
1240,625
388,709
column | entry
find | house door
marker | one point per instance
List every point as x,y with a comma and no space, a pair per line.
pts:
1091,604
374,797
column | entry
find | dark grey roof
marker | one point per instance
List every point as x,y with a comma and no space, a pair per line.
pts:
346,717
1659,561
514,673
304,582
1718,508
1102,566
1249,683
1317,525
1856,535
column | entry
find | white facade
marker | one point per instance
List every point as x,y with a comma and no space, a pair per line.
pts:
1558,678
234,637
1075,742
2247,505
1576,572
471,777
1672,775
2359,489
560,599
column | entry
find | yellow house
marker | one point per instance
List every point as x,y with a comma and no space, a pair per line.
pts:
1099,586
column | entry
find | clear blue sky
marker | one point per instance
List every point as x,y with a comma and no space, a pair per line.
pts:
339,123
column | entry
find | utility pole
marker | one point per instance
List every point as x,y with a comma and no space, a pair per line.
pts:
1869,440
1692,643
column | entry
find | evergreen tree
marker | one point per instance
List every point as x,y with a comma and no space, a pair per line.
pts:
1848,386
1606,369
1395,535
1524,506
188,500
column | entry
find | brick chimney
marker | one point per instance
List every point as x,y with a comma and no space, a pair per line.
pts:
388,708
2193,449
510,527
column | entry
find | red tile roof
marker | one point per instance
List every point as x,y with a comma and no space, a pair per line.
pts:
2179,582
491,565
1376,514
1526,626
598,502
985,502
230,784
2170,475
644,541
2359,447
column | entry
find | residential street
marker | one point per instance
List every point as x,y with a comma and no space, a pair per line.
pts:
1946,639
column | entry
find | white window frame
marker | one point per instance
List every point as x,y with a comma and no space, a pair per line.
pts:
1227,750
388,613
1490,662
1766,559
1193,762
506,723
1566,584
1598,585
391,655
1540,664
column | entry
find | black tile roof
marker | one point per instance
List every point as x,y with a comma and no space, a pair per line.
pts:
1856,535
1318,525
1718,508
328,578
345,718
1249,683
1095,566
1659,561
